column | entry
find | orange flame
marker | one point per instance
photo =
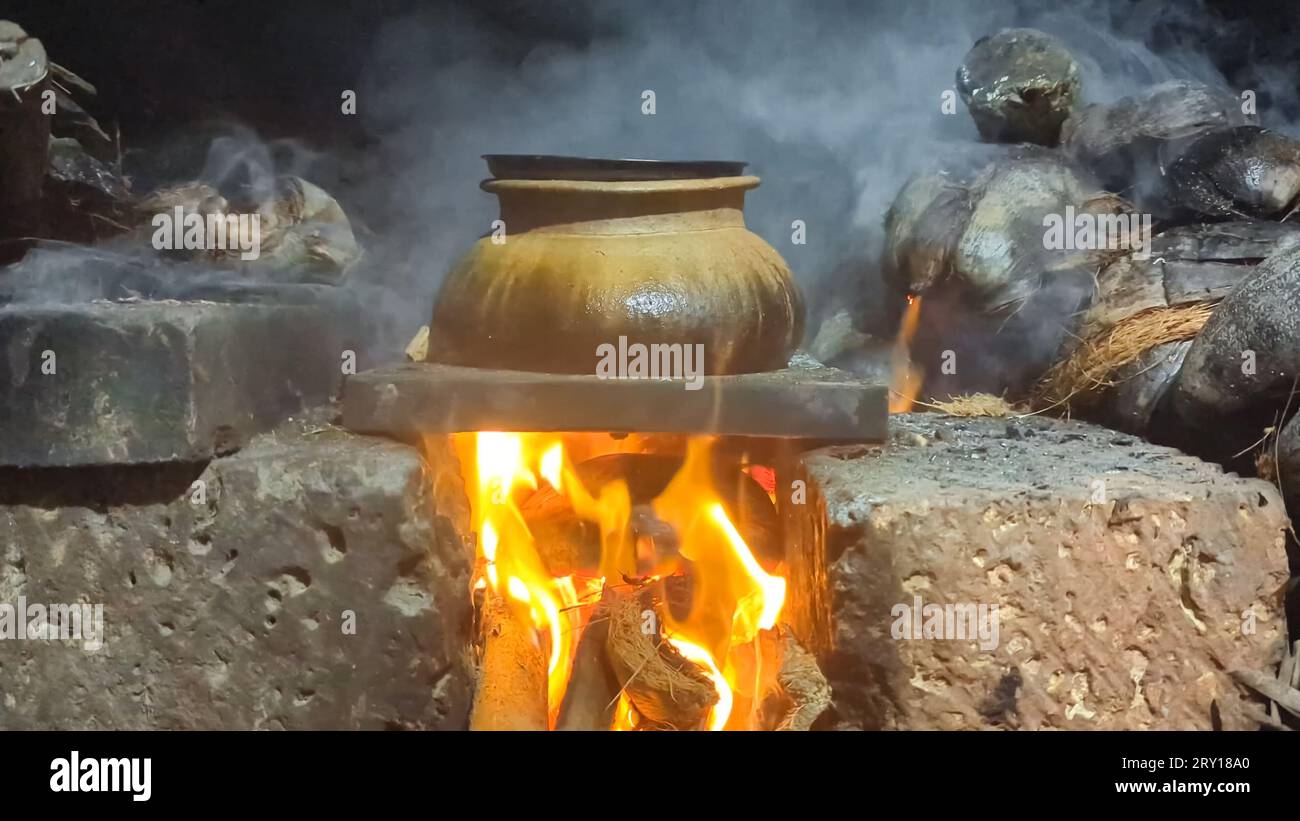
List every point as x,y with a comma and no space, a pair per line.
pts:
505,463
907,376
733,596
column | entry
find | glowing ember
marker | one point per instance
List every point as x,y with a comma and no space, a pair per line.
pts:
732,597
907,376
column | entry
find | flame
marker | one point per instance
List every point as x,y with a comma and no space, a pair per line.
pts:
506,464
722,710
907,376
552,462
733,597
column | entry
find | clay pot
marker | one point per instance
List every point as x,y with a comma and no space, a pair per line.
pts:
585,262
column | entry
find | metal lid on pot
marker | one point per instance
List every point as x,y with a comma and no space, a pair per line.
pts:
594,169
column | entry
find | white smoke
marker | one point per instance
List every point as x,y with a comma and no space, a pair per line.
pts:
833,103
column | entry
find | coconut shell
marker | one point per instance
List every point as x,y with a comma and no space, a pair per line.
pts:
1257,322
1136,390
922,228
1126,144
1243,172
982,233
1020,85
1288,461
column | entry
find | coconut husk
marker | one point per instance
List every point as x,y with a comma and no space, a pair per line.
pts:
801,693
303,232
305,228
511,689
1090,368
666,689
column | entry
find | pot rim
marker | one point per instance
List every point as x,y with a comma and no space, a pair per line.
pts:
743,183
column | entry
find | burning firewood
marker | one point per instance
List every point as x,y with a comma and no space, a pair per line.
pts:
569,544
24,132
511,689
592,693
1020,85
666,689
800,693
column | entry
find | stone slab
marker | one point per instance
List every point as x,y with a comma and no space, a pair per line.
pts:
1129,579
806,400
139,382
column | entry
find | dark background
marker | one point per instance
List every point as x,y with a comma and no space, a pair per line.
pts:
172,73
278,64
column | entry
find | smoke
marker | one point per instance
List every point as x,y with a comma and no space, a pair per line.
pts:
834,104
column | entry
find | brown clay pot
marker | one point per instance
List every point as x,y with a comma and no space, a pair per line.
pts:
584,262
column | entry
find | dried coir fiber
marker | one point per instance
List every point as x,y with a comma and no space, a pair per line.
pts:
1094,362
974,404
666,689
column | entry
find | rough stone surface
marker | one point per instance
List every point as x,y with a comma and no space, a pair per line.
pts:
1120,570
229,610
159,381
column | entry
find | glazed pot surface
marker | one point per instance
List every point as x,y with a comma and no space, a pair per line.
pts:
583,264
